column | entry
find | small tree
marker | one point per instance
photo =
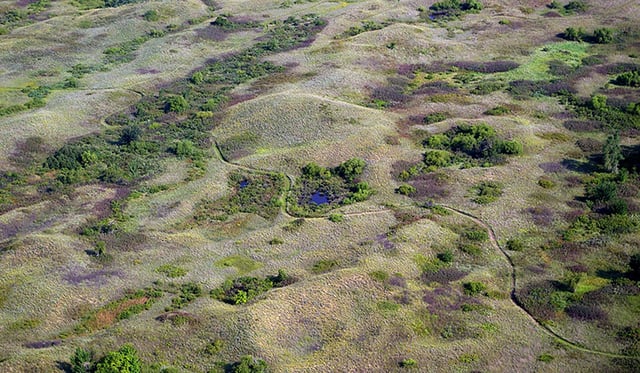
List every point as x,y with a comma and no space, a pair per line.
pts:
351,169
81,361
130,134
612,153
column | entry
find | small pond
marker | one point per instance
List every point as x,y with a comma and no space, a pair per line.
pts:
319,198
244,183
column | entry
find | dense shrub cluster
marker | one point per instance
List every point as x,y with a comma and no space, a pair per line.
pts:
243,289
471,145
336,186
455,8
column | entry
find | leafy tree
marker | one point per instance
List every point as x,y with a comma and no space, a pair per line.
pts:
81,361
124,360
612,153
130,134
603,35
351,169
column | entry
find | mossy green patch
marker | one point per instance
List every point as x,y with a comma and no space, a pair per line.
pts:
537,67
590,283
241,263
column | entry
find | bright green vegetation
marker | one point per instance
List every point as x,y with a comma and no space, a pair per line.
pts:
241,263
243,289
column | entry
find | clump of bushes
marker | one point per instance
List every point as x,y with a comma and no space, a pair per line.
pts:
454,8
486,192
187,293
337,186
243,289
629,79
470,145
171,270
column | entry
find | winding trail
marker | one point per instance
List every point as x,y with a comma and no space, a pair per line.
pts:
492,239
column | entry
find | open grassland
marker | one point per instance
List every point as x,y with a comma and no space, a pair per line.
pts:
505,249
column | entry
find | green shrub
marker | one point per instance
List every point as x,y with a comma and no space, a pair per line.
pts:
324,265
475,235
437,158
486,192
276,241
123,360
515,244
249,364
406,189
473,288
351,169
408,363
176,104
336,218
498,110
445,257
546,183
380,276
573,34
151,15
629,79
435,117
171,270
603,35
575,6
188,293
81,361
243,289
